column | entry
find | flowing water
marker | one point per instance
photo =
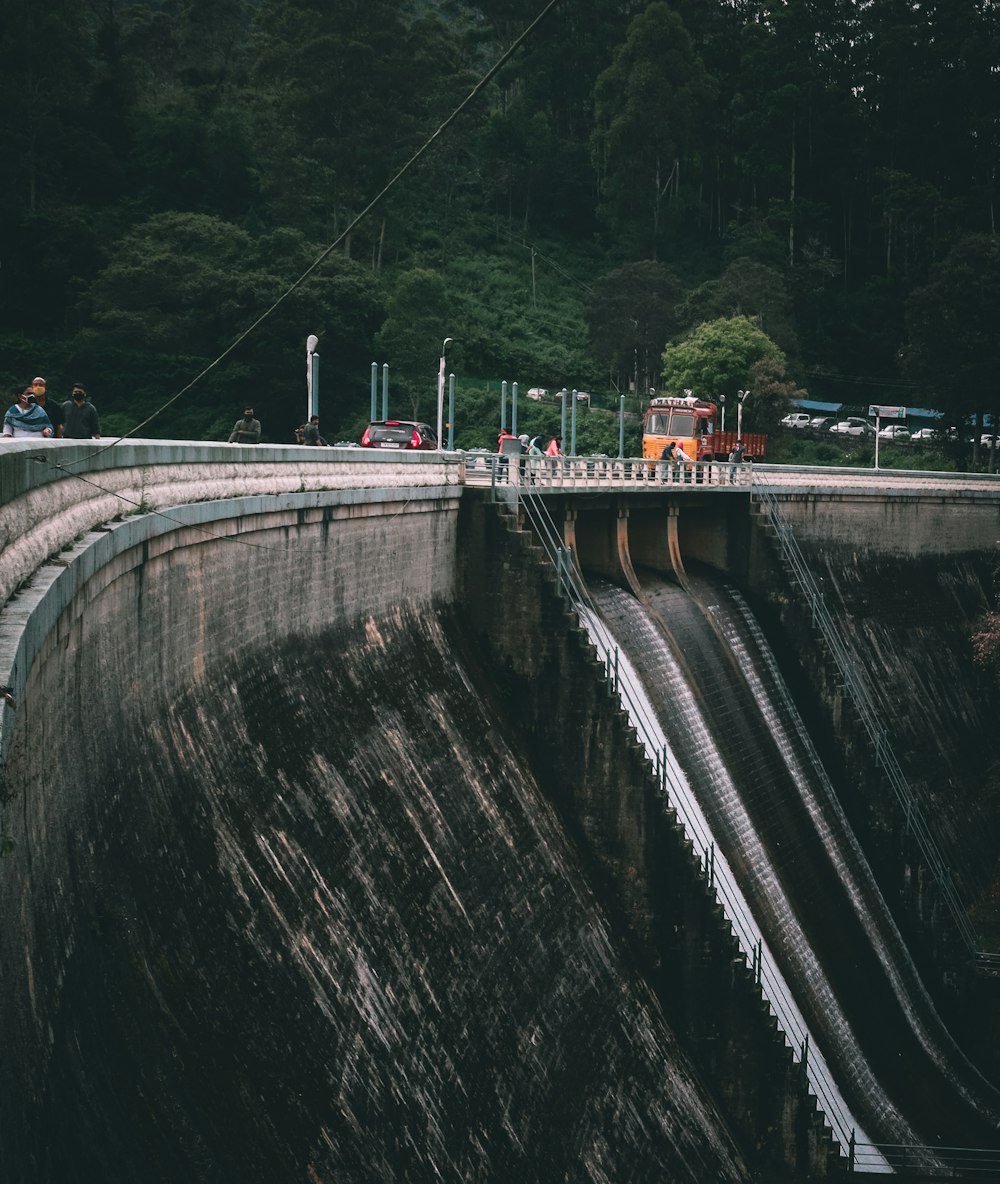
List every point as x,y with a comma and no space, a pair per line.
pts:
754,794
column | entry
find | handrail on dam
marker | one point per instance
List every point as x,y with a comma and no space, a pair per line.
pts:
522,497
954,1162
857,690
568,473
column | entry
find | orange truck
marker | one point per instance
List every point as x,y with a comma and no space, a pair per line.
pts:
692,423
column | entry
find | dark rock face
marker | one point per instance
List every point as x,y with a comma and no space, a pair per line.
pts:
315,920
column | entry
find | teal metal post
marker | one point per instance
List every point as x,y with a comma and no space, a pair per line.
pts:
374,391
513,408
572,422
451,412
503,405
563,394
621,426
385,390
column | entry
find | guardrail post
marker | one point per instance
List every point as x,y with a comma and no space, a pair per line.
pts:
851,1146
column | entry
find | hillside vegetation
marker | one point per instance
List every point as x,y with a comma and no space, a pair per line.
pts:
181,183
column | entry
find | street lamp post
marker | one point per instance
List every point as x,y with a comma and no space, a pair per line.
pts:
742,397
722,400
440,422
312,376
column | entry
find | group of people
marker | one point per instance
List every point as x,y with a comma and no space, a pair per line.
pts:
34,414
509,445
674,457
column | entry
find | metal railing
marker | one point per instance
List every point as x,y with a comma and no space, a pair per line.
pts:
929,1163
586,472
856,689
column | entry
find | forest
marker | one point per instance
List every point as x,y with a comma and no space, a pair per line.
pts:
608,195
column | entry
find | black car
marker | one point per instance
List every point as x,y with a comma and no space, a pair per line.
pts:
399,434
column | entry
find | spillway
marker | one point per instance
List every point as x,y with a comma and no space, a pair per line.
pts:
763,798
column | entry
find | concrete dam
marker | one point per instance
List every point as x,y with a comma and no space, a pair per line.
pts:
329,853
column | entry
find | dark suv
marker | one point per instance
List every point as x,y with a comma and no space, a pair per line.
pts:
399,433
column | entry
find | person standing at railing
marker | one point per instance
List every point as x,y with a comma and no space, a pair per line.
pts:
532,463
554,450
507,445
683,462
667,457
81,421
246,430
735,458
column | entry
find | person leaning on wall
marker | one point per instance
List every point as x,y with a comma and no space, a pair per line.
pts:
246,430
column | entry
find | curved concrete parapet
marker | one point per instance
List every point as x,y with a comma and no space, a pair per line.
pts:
53,491
74,517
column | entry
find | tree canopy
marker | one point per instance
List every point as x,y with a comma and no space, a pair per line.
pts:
717,358
636,169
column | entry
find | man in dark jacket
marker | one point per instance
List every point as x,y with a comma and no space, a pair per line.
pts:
80,417
246,430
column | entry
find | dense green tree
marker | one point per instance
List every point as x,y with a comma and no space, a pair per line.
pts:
717,358
191,285
771,392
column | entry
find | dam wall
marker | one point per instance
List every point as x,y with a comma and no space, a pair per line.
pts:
285,891
328,854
